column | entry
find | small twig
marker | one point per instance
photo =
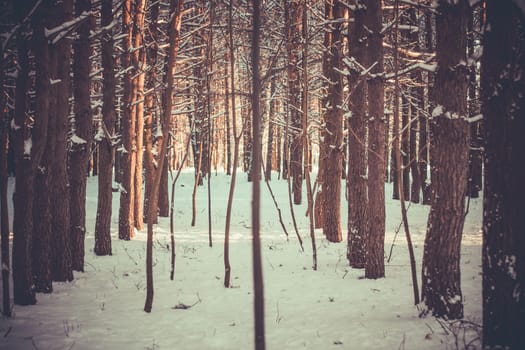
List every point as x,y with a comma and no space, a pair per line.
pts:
8,331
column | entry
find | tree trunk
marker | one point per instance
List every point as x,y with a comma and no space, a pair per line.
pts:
23,285
503,109
405,146
105,195
4,218
293,19
271,116
258,286
139,62
356,180
475,154
450,137
176,7
62,263
149,169
42,232
375,252
332,143
80,151
127,156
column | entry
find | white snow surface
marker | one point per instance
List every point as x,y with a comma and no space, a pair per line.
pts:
332,308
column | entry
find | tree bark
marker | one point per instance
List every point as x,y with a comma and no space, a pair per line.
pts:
128,150
503,109
80,151
258,285
105,195
293,17
176,12
333,135
42,232
356,180
375,264
62,263
450,137
23,285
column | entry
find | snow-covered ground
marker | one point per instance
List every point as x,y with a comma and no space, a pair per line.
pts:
332,308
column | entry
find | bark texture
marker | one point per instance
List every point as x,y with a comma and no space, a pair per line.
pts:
449,153
503,108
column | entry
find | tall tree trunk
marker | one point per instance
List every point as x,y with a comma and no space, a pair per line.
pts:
375,264
271,118
293,17
176,7
139,62
62,263
4,214
356,180
42,232
151,81
258,286
503,109
332,143
105,195
128,151
80,150
475,154
450,137
405,146
23,285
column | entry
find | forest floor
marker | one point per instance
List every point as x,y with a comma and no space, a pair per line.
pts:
332,308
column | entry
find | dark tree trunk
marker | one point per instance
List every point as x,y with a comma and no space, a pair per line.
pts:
127,156
79,154
176,7
4,218
271,118
356,180
375,252
105,195
163,198
149,168
258,298
333,135
293,16
450,137
414,154
475,155
62,268
42,203
503,109
23,285
405,146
